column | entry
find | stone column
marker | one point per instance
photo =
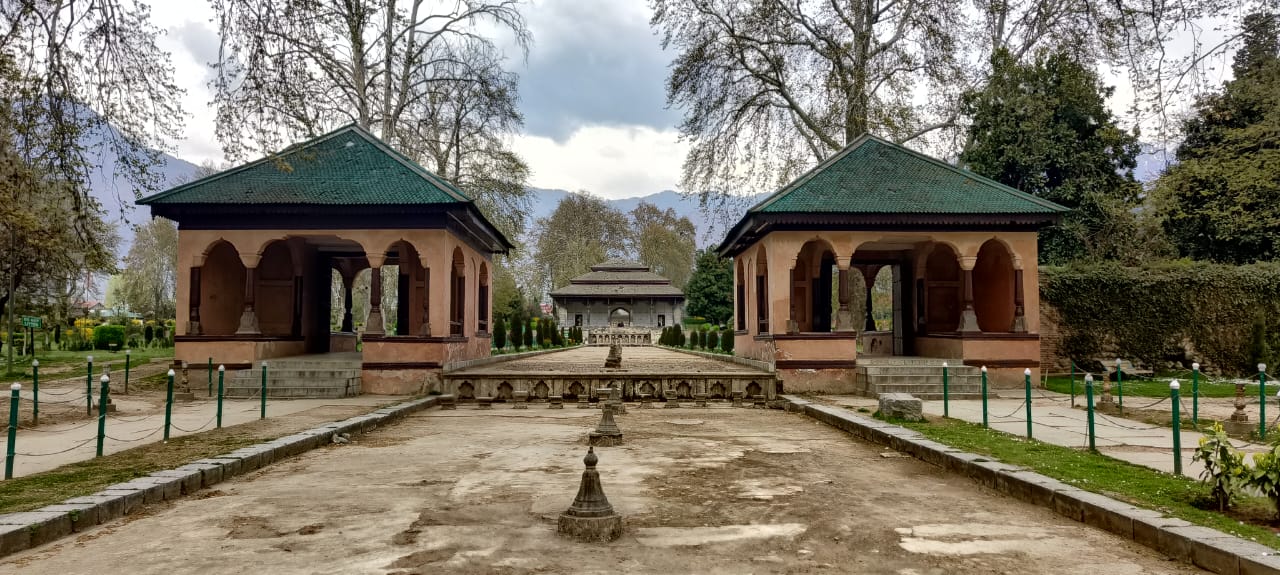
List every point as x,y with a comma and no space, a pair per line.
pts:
347,324
968,317
844,316
1019,309
869,280
374,326
296,328
425,328
193,321
249,319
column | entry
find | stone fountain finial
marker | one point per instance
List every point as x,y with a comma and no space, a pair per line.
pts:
591,517
614,359
607,433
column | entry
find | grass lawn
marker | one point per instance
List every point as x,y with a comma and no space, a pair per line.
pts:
50,361
1158,387
1176,496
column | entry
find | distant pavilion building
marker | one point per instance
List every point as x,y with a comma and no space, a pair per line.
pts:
619,294
960,248
258,246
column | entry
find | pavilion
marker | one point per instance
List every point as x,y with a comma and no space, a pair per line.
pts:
260,245
619,294
960,248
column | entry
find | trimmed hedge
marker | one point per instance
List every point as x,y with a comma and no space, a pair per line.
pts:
1151,312
105,335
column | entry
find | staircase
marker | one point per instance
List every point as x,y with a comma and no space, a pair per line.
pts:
302,377
918,376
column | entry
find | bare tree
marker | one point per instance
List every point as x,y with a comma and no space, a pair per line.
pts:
419,73
664,241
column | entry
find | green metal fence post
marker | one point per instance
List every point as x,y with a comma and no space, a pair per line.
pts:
1026,374
1262,400
128,355
1177,428
102,412
1073,383
35,392
984,397
221,370
211,376
1088,395
263,413
1195,393
1119,387
13,429
946,394
168,406
88,388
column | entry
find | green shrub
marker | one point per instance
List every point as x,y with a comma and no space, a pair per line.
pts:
105,335
500,334
1265,475
528,334
726,342
1224,468
1147,312
713,341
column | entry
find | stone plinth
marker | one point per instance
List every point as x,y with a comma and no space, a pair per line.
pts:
672,403
700,400
607,433
646,401
484,403
555,402
759,401
591,517
584,402
448,402
902,406
737,399
520,400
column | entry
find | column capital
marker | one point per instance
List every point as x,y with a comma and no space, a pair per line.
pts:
843,262
250,259
375,260
967,262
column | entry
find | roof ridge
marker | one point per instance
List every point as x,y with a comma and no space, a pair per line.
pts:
976,176
417,168
292,148
808,175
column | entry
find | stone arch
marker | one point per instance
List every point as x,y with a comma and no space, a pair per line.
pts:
222,279
753,389
575,390
541,390
466,390
684,390
993,285
811,286
647,387
620,317
504,392
457,292
942,289
275,290
482,298
717,391
762,290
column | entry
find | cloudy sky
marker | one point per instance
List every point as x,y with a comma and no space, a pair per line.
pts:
591,90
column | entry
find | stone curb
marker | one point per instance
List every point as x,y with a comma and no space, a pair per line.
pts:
1203,547
469,363
25,530
760,365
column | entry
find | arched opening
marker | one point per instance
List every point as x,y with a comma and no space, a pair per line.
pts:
683,391
717,390
993,297
762,291
753,389
540,391
647,388
575,391
411,301
482,300
221,290
620,317
740,297
942,290
811,287
466,391
275,290
504,392
881,306
457,292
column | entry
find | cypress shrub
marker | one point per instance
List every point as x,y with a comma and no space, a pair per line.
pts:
517,332
528,335
726,342
713,341
499,334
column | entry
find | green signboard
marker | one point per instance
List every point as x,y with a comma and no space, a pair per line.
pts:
31,321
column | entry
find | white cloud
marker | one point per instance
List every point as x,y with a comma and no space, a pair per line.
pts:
612,162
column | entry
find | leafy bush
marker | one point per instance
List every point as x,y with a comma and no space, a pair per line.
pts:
528,335
105,335
517,333
1224,467
726,342
1148,312
1265,475
713,341
148,334
500,334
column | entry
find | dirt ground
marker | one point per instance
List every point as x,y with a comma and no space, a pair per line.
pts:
717,490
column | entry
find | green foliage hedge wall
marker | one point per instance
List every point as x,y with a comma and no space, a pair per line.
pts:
1148,312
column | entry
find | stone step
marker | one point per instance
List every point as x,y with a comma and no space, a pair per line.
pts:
293,392
918,370
923,379
907,361
273,373
925,388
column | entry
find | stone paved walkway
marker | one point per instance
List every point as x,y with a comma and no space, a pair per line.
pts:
1055,421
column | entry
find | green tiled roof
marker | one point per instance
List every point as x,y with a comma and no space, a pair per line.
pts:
348,166
874,176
